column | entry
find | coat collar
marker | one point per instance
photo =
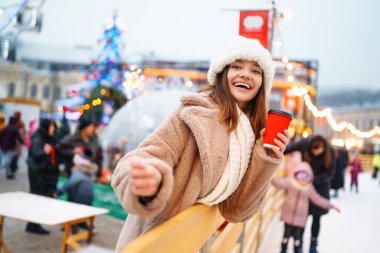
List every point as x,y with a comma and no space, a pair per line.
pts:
201,115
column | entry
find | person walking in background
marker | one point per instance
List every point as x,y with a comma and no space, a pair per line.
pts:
3,122
209,150
341,163
42,166
18,149
376,165
355,168
9,137
76,143
299,190
321,157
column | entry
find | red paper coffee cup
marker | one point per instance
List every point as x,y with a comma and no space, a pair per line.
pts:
277,122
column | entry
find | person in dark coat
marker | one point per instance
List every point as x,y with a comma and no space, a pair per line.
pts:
97,152
76,143
9,137
341,162
42,169
321,156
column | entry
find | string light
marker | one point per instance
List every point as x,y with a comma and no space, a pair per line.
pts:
327,113
303,92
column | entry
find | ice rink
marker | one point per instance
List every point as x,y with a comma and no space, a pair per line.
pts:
355,230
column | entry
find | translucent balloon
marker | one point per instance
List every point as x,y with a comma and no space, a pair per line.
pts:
132,123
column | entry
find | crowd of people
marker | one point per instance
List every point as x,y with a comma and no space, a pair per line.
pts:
50,148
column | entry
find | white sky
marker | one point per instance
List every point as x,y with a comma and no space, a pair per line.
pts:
344,35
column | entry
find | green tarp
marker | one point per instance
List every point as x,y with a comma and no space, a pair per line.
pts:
104,198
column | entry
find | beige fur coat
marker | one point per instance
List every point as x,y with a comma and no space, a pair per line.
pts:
190,149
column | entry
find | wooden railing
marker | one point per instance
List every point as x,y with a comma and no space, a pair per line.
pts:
192,228
366,162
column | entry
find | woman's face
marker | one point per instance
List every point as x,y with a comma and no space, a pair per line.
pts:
316,151
244,80
51,129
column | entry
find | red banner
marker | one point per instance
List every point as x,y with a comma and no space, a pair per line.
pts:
290,101
255,25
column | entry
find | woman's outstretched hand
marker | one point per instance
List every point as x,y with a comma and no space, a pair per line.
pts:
281,142
336,209
144,179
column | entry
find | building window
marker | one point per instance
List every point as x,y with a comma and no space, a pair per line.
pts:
11,89
371,123
46,92
33,91
57,92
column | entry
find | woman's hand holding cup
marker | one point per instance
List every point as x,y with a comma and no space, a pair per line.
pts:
276,134
281,142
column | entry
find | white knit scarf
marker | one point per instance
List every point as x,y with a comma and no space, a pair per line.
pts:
241,144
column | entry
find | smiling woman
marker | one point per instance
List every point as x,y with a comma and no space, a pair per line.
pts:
244,80
242,63
209,151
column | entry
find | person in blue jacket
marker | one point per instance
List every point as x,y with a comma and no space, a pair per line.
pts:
80,186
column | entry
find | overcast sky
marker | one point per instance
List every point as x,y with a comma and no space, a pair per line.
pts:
344,35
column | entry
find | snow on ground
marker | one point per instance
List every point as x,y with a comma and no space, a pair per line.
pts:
355,230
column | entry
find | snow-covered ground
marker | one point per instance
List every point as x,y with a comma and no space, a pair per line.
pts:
355,230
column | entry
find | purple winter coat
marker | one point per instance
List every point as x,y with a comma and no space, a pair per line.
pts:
356,168
296,206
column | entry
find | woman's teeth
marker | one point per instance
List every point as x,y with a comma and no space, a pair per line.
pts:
242,85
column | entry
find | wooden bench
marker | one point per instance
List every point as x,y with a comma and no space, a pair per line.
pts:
47,211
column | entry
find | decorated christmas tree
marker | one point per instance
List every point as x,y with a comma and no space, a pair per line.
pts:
107,74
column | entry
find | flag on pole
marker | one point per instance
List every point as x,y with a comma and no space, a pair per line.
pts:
255,25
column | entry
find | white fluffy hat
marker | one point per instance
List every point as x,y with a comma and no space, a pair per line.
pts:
241,48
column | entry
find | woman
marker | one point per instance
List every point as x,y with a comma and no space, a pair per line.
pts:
208,151
318,153
42,169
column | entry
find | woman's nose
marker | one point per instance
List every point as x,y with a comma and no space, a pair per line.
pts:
244,73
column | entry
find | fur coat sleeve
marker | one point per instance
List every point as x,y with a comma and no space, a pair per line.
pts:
161,149
249,196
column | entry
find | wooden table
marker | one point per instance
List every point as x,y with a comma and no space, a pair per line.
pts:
47,211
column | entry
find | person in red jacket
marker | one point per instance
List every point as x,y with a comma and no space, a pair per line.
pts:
299,190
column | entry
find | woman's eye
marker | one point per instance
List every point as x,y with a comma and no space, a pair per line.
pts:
235,67
257,72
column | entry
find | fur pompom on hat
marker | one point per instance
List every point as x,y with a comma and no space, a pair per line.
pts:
241,48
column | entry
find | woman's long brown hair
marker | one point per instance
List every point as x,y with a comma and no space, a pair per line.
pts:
319,141
256,109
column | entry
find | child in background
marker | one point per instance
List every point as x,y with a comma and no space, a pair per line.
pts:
355,169
80,186
299,190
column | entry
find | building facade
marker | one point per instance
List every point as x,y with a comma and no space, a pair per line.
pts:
18,80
